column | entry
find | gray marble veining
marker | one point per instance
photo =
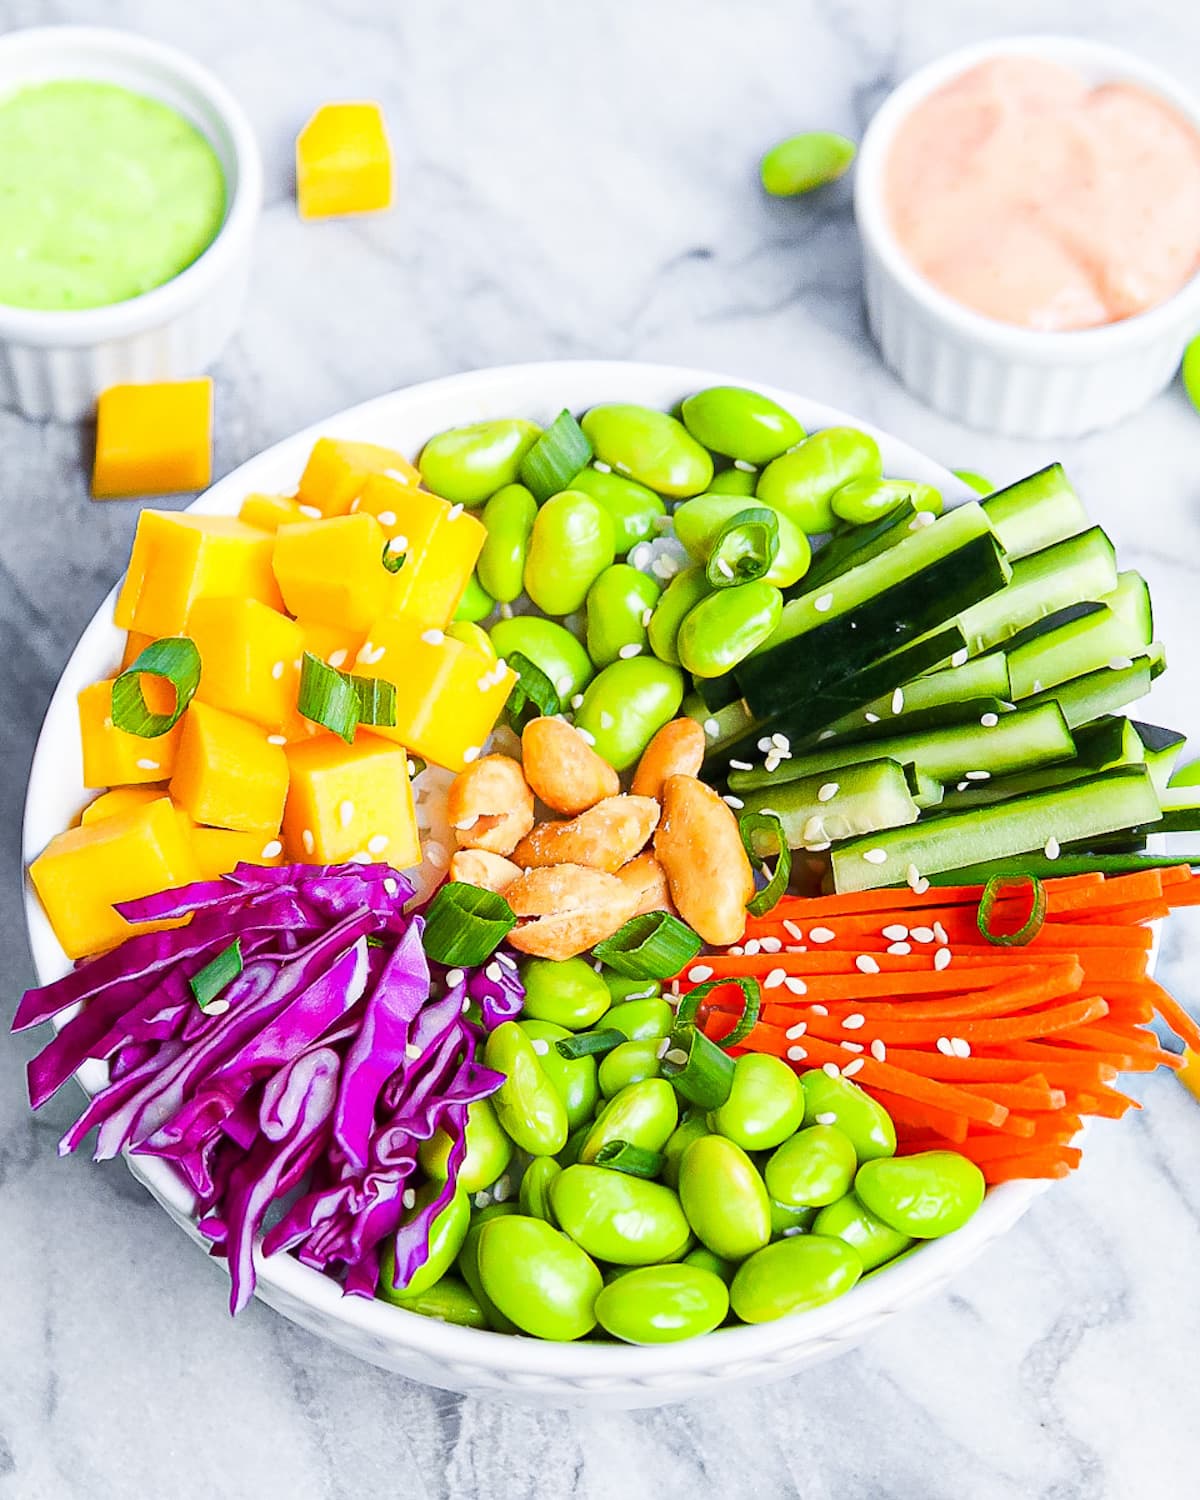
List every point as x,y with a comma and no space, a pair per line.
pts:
577,181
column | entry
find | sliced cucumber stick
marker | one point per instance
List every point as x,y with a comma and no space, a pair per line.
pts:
858,799
1079,568
1035,512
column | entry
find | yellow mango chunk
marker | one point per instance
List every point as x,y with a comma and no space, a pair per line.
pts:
343,162
448,693
270,512
120,800
220,850
332,571
179,557
337,470
350,802
440,544
227,773
83,872
250,659
153,439
111,757
135,644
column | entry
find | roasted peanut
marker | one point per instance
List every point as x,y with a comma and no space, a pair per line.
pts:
676,750
480,867
564,910
700,848
645,877
605,837
490,806
563,769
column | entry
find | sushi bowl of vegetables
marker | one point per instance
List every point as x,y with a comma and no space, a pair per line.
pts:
589,869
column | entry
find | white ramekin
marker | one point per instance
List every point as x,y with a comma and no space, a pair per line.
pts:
994,375
54,364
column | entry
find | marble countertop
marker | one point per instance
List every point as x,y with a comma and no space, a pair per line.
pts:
579,181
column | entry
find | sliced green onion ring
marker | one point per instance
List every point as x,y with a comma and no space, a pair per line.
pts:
208,983
689,1008
392,559
328,697
634,1161
175,658
589,1043
654,945
745,548
533,695
555,459
698,1070
376,701
764,822
464,925
1029,929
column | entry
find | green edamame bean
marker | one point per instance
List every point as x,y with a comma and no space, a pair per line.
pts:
849,1219
446,1236
626,1220
724,1198
468,1263
923,1196
787,1219
618,603
733,482
699,522
526,1103
641,1019
535,1188
622,988
765,1103
572,1078
628,1063
644,1114
539,1278
801,483
727,626
570,546
449,1300
865,500
632,508
508,517
812,1169
547,645
740,424
566,991
489,1150
676,602
984,486
1190,371
472,636
649,446
476,603
840,1102
704,1258
626,705
804,162
688,1130
467,464
793,1275
661,1304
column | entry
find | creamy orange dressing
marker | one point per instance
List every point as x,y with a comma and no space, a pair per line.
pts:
1024,193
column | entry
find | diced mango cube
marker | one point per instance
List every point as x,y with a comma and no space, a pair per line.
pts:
227,773
111,757
343,161
332,644
121,799
270,512
135,644
337,470
439,542
250,659
350,802
332,571
179,557
84,871
220,850
153,439
448,694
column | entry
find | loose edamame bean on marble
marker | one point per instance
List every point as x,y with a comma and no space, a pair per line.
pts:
688,1130
626,705
467,464
724,628
865,500
849,1219
538,1278
640,1019
536,1182
446,1235
570,546
621,987
699,522
650,447
572,1078
740,424
801,483
925,1195
628,1063
628,1221
566,991
804,162
489,1150
632,508
840,1102
508,516
644,1114
813,1168
619,606
662,1304
548,645
526,1103
476,603
765,1103
675,603
793,1275
724,1198
449,1300
733,482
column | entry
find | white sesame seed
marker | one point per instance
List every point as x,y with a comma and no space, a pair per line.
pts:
306,838
875,856
1120,663
752,947
855,1066
368,654
820,847
471,753
865,964
506,611
436,855
412,768
854,1022
627,653
483,1199
940,933
740,765
878,1050
772,761
900,950
828,792
601,467
745,466
502,1188
675,1055
271,850
724,568
781,742
794,1033
819,1010
871,718
493,973
793,929
959,659
898,700
386,517
455,511
822,603
510,963
577,700
822,934
826,1117
346,813
827,734
216,1007
796,1053
737,950
813,829
698,973
145,764
941,959
409,1198
585,735
765,742
412,1051
774,979
377,843
922,934
735,802
711,728
852,1046
663,1048
979,775
454,977
391,886
797,985
277,670
962,786
770,944
895,932
1051,848
960,1046
831,1070
989,721
312,512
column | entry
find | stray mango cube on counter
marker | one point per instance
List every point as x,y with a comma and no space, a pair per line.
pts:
438,543
343,161
153,439
250,658
179,557
227,773
83,872
219,851
337,470
350,802
332,571
111,757
270,512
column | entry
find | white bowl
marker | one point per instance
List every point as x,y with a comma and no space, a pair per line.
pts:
995,375
55,364
463,1359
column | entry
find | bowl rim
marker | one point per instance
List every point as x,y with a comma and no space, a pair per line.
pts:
283,1280
1096,60
149,59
